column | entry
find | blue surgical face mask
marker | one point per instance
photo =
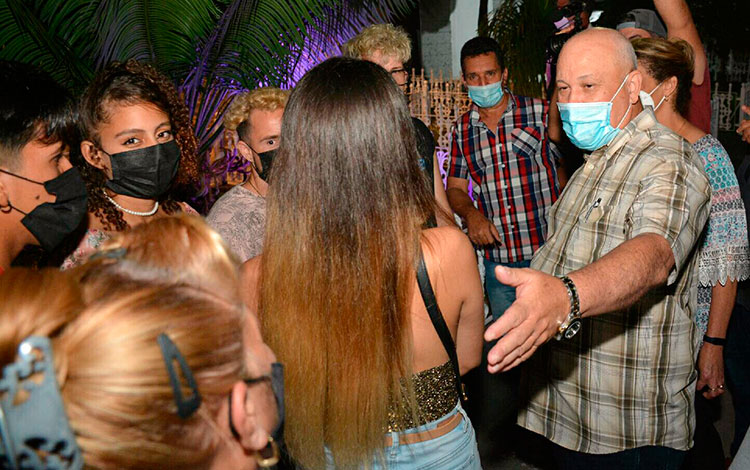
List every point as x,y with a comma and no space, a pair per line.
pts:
486,96
647,99
588,124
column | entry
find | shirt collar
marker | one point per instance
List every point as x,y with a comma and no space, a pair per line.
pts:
644,120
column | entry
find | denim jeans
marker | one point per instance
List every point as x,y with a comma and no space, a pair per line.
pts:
640,458
499,295
456,450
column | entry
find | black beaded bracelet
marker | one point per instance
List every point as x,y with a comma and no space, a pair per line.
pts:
715,341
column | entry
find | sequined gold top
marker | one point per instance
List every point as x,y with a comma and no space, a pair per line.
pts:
435,391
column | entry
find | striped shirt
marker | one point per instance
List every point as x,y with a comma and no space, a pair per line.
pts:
513,169
627,379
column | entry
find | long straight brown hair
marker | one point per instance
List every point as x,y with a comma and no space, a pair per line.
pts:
346,203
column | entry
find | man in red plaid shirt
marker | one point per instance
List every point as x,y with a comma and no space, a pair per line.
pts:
501,144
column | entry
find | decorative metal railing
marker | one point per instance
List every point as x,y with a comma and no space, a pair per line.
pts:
725,107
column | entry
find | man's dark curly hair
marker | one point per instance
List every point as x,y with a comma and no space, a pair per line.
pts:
130,83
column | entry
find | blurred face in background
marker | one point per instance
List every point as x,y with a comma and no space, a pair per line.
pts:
391,64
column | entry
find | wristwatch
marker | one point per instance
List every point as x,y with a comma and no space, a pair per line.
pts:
572,324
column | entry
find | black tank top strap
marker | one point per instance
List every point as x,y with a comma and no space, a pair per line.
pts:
438,322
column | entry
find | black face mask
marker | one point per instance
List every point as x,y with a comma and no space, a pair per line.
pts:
51,222
144,173
266,160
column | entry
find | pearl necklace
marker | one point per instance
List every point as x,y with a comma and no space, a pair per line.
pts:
128,211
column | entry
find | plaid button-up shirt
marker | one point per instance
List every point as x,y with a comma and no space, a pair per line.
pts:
627,379
514,172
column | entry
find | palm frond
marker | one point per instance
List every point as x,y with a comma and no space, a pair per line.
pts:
163,32
383,7
522,27
329,32
51,35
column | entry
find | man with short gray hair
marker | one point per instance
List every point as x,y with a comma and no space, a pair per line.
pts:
613,281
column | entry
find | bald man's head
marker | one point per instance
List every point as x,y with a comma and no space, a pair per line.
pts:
615,49
599,66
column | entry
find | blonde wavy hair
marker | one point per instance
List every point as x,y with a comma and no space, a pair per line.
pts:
265,99
388,39
112,377
104,319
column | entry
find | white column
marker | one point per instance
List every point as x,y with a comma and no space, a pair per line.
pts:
446,26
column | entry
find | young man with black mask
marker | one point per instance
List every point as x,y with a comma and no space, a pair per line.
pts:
240,215
42,198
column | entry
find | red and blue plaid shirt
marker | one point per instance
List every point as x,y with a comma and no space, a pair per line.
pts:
514,172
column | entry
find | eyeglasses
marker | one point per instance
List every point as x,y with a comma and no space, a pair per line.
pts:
400,72
269,456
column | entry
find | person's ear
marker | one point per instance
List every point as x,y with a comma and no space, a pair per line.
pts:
504,78
245,151
670,88
634,86
252,436
92,155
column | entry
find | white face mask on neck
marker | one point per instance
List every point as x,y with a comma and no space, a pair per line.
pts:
647,100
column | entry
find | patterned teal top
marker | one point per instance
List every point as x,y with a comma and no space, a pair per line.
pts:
724,253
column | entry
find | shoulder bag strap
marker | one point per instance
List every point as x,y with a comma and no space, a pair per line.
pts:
428,296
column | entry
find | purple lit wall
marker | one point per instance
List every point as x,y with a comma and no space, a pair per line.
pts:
325,39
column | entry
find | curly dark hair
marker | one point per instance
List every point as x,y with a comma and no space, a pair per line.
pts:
133,82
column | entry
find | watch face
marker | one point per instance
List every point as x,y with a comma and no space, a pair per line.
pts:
572,329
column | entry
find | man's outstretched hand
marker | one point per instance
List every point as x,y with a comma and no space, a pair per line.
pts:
541,305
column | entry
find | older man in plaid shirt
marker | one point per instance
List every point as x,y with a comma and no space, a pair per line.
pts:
613,282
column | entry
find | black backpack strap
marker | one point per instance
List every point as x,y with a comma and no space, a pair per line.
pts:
428,296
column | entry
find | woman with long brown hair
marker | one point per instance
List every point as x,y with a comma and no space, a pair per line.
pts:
138,151
369,381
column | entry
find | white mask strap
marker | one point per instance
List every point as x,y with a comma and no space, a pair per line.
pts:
620,88
629,103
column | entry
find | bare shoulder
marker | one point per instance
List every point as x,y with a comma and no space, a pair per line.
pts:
447,247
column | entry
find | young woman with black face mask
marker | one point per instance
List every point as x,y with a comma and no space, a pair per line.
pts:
137,150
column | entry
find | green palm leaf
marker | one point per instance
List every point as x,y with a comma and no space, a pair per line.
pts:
51,35
163,32
259,37
521,27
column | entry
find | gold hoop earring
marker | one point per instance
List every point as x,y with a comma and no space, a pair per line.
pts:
264,459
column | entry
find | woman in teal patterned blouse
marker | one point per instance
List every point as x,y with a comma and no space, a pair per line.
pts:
667,71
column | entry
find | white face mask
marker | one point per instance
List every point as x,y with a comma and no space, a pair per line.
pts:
647,100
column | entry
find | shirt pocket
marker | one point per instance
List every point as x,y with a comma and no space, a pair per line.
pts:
585,242
526,145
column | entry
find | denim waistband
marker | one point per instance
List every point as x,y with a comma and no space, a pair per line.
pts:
432,424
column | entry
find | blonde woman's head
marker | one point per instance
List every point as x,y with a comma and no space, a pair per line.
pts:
171,277
387,45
